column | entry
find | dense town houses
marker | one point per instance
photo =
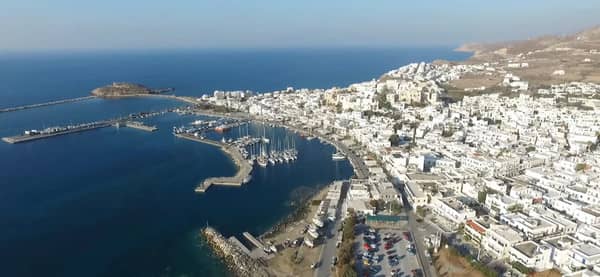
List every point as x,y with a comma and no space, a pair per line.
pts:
516,172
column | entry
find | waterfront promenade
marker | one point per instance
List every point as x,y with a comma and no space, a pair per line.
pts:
244,168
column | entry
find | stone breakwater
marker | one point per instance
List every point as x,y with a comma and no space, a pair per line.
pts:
237,261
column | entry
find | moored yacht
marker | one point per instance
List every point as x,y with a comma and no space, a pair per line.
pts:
338,156
262,161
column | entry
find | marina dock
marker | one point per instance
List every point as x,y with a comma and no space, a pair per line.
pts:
358,164
244,168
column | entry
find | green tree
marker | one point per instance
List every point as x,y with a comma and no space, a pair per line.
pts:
382,101
447,133
420,211
414,126
396,207
522,268
398,126
348,271
394,140
481,196
515,208
461,228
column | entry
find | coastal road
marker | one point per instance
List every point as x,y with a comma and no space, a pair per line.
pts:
329,249
360,168
413,225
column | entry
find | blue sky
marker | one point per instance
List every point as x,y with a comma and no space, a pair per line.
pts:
133,24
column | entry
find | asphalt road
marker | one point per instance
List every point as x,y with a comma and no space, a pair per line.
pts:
413,225
329,250
331,234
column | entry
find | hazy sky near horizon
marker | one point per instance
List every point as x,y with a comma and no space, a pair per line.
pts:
134,24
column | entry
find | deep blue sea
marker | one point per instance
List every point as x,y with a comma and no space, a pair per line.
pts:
120,202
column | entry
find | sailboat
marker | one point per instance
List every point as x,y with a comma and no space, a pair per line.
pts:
264,137
272,155
262,159
251,155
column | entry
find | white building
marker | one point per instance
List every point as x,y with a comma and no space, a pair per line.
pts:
531,255
531,227
453,210
500,239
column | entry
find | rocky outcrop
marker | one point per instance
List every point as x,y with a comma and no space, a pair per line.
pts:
121,89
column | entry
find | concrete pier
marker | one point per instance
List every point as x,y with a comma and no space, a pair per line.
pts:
140,126
31,106
236,258
253,240
27,138
235,241
63,130
244,169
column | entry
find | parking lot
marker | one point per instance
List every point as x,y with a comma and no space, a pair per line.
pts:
385,252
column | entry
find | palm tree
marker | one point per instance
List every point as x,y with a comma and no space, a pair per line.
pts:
414,126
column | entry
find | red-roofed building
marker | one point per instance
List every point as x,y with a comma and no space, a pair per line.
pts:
475,230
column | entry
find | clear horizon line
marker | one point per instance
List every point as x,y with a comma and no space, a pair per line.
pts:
249,48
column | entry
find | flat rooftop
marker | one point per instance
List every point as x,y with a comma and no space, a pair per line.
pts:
528,248
561,242
506,232
415,189
592,210
453,203
588,249
419,177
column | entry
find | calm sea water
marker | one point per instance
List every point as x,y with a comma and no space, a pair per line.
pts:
120,202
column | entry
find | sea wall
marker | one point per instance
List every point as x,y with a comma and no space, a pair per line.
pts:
237,261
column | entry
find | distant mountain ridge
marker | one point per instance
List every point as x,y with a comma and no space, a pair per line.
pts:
588,39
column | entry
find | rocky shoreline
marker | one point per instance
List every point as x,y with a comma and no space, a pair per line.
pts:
295,215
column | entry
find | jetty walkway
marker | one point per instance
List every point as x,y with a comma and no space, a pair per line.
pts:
244,168
70,129
56,102
236,258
